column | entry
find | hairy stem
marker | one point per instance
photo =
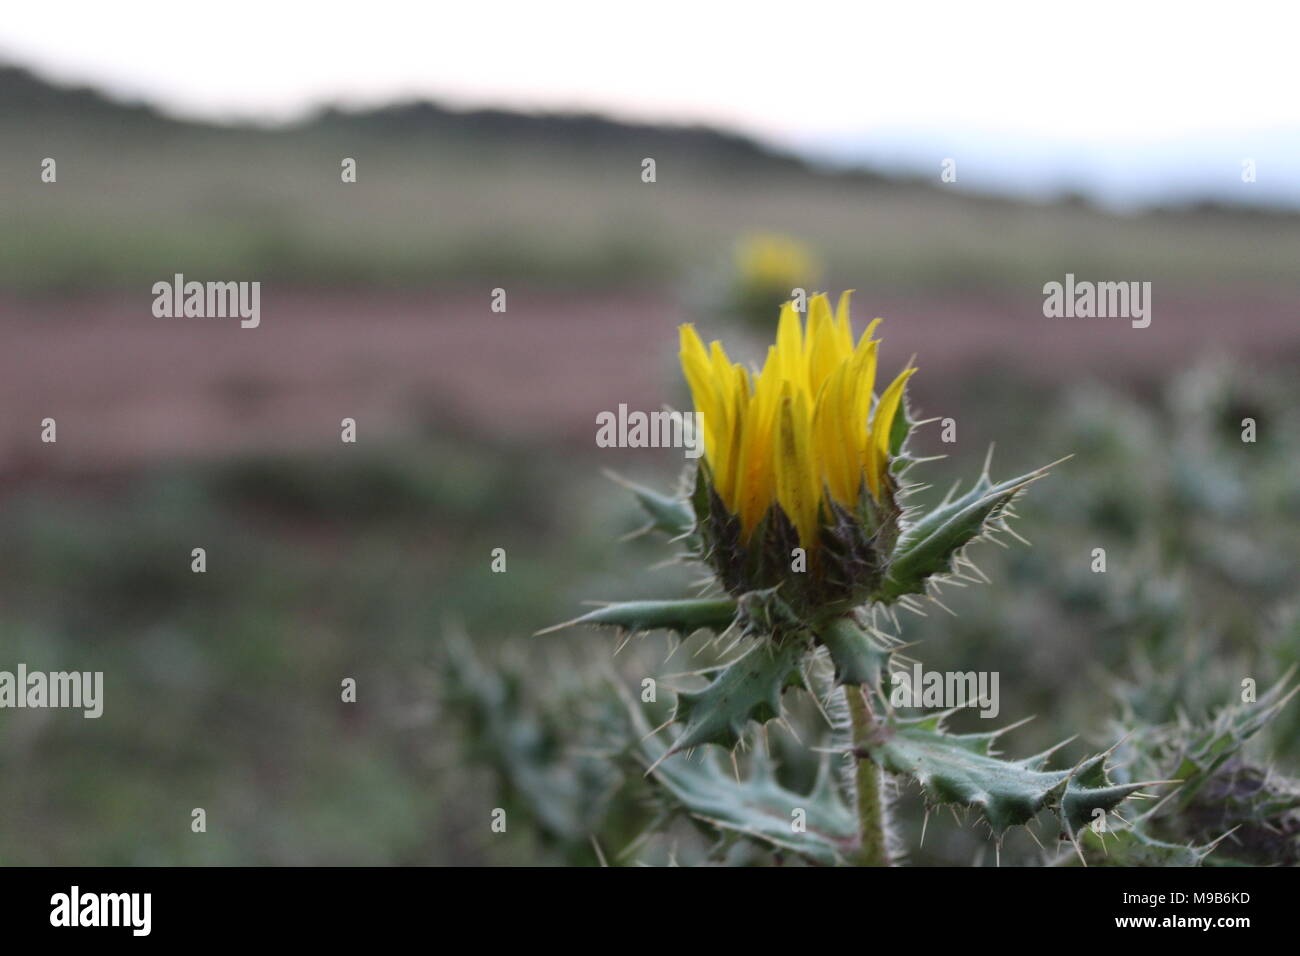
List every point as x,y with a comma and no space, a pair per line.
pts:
872,849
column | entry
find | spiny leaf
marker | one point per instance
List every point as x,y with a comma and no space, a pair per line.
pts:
929,546
749,688
1088,790
669,514
685,616
518,735
758,806
1225,735
857,658
1221,792
1193,752
1129,846
902,427
962,769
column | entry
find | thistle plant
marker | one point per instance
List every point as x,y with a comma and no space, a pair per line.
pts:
800,511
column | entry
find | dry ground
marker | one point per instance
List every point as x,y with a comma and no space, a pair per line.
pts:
127,388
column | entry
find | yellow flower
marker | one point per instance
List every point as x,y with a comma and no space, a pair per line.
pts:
768,260
805,428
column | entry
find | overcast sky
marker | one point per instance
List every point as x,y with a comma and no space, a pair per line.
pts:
833,74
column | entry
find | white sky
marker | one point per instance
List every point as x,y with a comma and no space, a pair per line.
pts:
1101,71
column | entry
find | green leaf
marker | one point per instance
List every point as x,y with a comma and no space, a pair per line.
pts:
1219,790
928,546
1088,790
963,769
520,735
1132,847
758,806
685,616
1205,749
749,688
857,658
669,514
901,429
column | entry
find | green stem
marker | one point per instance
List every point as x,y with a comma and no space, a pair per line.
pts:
872,849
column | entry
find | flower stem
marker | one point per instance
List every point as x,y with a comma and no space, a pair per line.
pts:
872,849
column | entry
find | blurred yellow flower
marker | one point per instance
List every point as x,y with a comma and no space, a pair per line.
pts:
804,427
768,261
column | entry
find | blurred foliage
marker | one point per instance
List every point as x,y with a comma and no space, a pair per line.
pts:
222,690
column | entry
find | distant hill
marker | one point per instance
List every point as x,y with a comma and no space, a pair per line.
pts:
25,96
468,196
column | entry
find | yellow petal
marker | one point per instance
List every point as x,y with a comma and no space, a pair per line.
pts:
790,344
797,487
822,345
883,422
699,376
843,324
838,457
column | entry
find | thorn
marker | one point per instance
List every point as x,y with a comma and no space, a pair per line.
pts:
1012,726
790,730
951,491
988,536
1034,836
651,733
655,766
1210,848
616,477
935,600
1023,540
1077,849
556,627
